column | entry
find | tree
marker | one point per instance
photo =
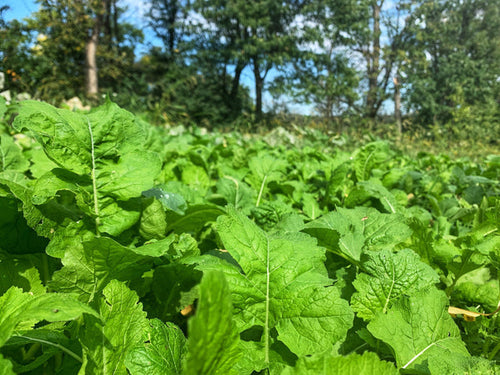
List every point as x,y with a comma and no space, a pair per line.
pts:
455,60
190,73
257,34
14,53
63,49
321,72
168,19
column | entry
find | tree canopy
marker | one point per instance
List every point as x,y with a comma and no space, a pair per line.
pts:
213,61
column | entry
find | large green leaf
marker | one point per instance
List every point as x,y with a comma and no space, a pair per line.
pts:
281,284
103,149
17,307
20,272
264,169
161,353
194,219
354,364
419,328
236,193
89,266
213,337
348,232
6,367
370,157
107,342
387,277
11,157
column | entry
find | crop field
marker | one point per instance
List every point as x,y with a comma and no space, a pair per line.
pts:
127,248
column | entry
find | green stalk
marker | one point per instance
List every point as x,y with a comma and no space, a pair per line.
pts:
94,182
65,350
261,190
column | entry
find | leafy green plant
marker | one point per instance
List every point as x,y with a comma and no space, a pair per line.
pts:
133,249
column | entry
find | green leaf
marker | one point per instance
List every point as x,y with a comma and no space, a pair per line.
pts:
6,367
43,220
11,157
3,106
196,178
354,364
162,353
348,232
90,266
17,307
213,337
265,168
369,157
19,272
195,218
107,344
281,285
419,328
387,277
455,363
366,191
153,224
53,339
236,193
170,201
104,149
41,163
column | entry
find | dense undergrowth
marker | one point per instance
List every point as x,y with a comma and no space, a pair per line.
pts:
128,248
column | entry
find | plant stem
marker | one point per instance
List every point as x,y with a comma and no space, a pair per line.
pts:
94,182
261,190
65,350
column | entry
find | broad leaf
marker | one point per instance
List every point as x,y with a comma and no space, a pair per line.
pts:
161,354
419,328
354,364
11,157
17,307
281,285
387,277
6,367
194,219
213,337
369,157
103,149
20,272
88,267
106,345
348,232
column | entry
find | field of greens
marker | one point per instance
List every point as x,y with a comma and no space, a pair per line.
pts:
132,249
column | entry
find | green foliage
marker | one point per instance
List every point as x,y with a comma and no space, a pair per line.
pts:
129,249
453,78
45,55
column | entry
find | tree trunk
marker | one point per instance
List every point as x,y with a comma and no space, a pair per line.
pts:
397,105
259,83
374,65
92,82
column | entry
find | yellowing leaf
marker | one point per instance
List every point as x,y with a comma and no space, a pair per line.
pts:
469,316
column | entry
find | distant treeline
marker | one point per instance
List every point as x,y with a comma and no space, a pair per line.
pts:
436,62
